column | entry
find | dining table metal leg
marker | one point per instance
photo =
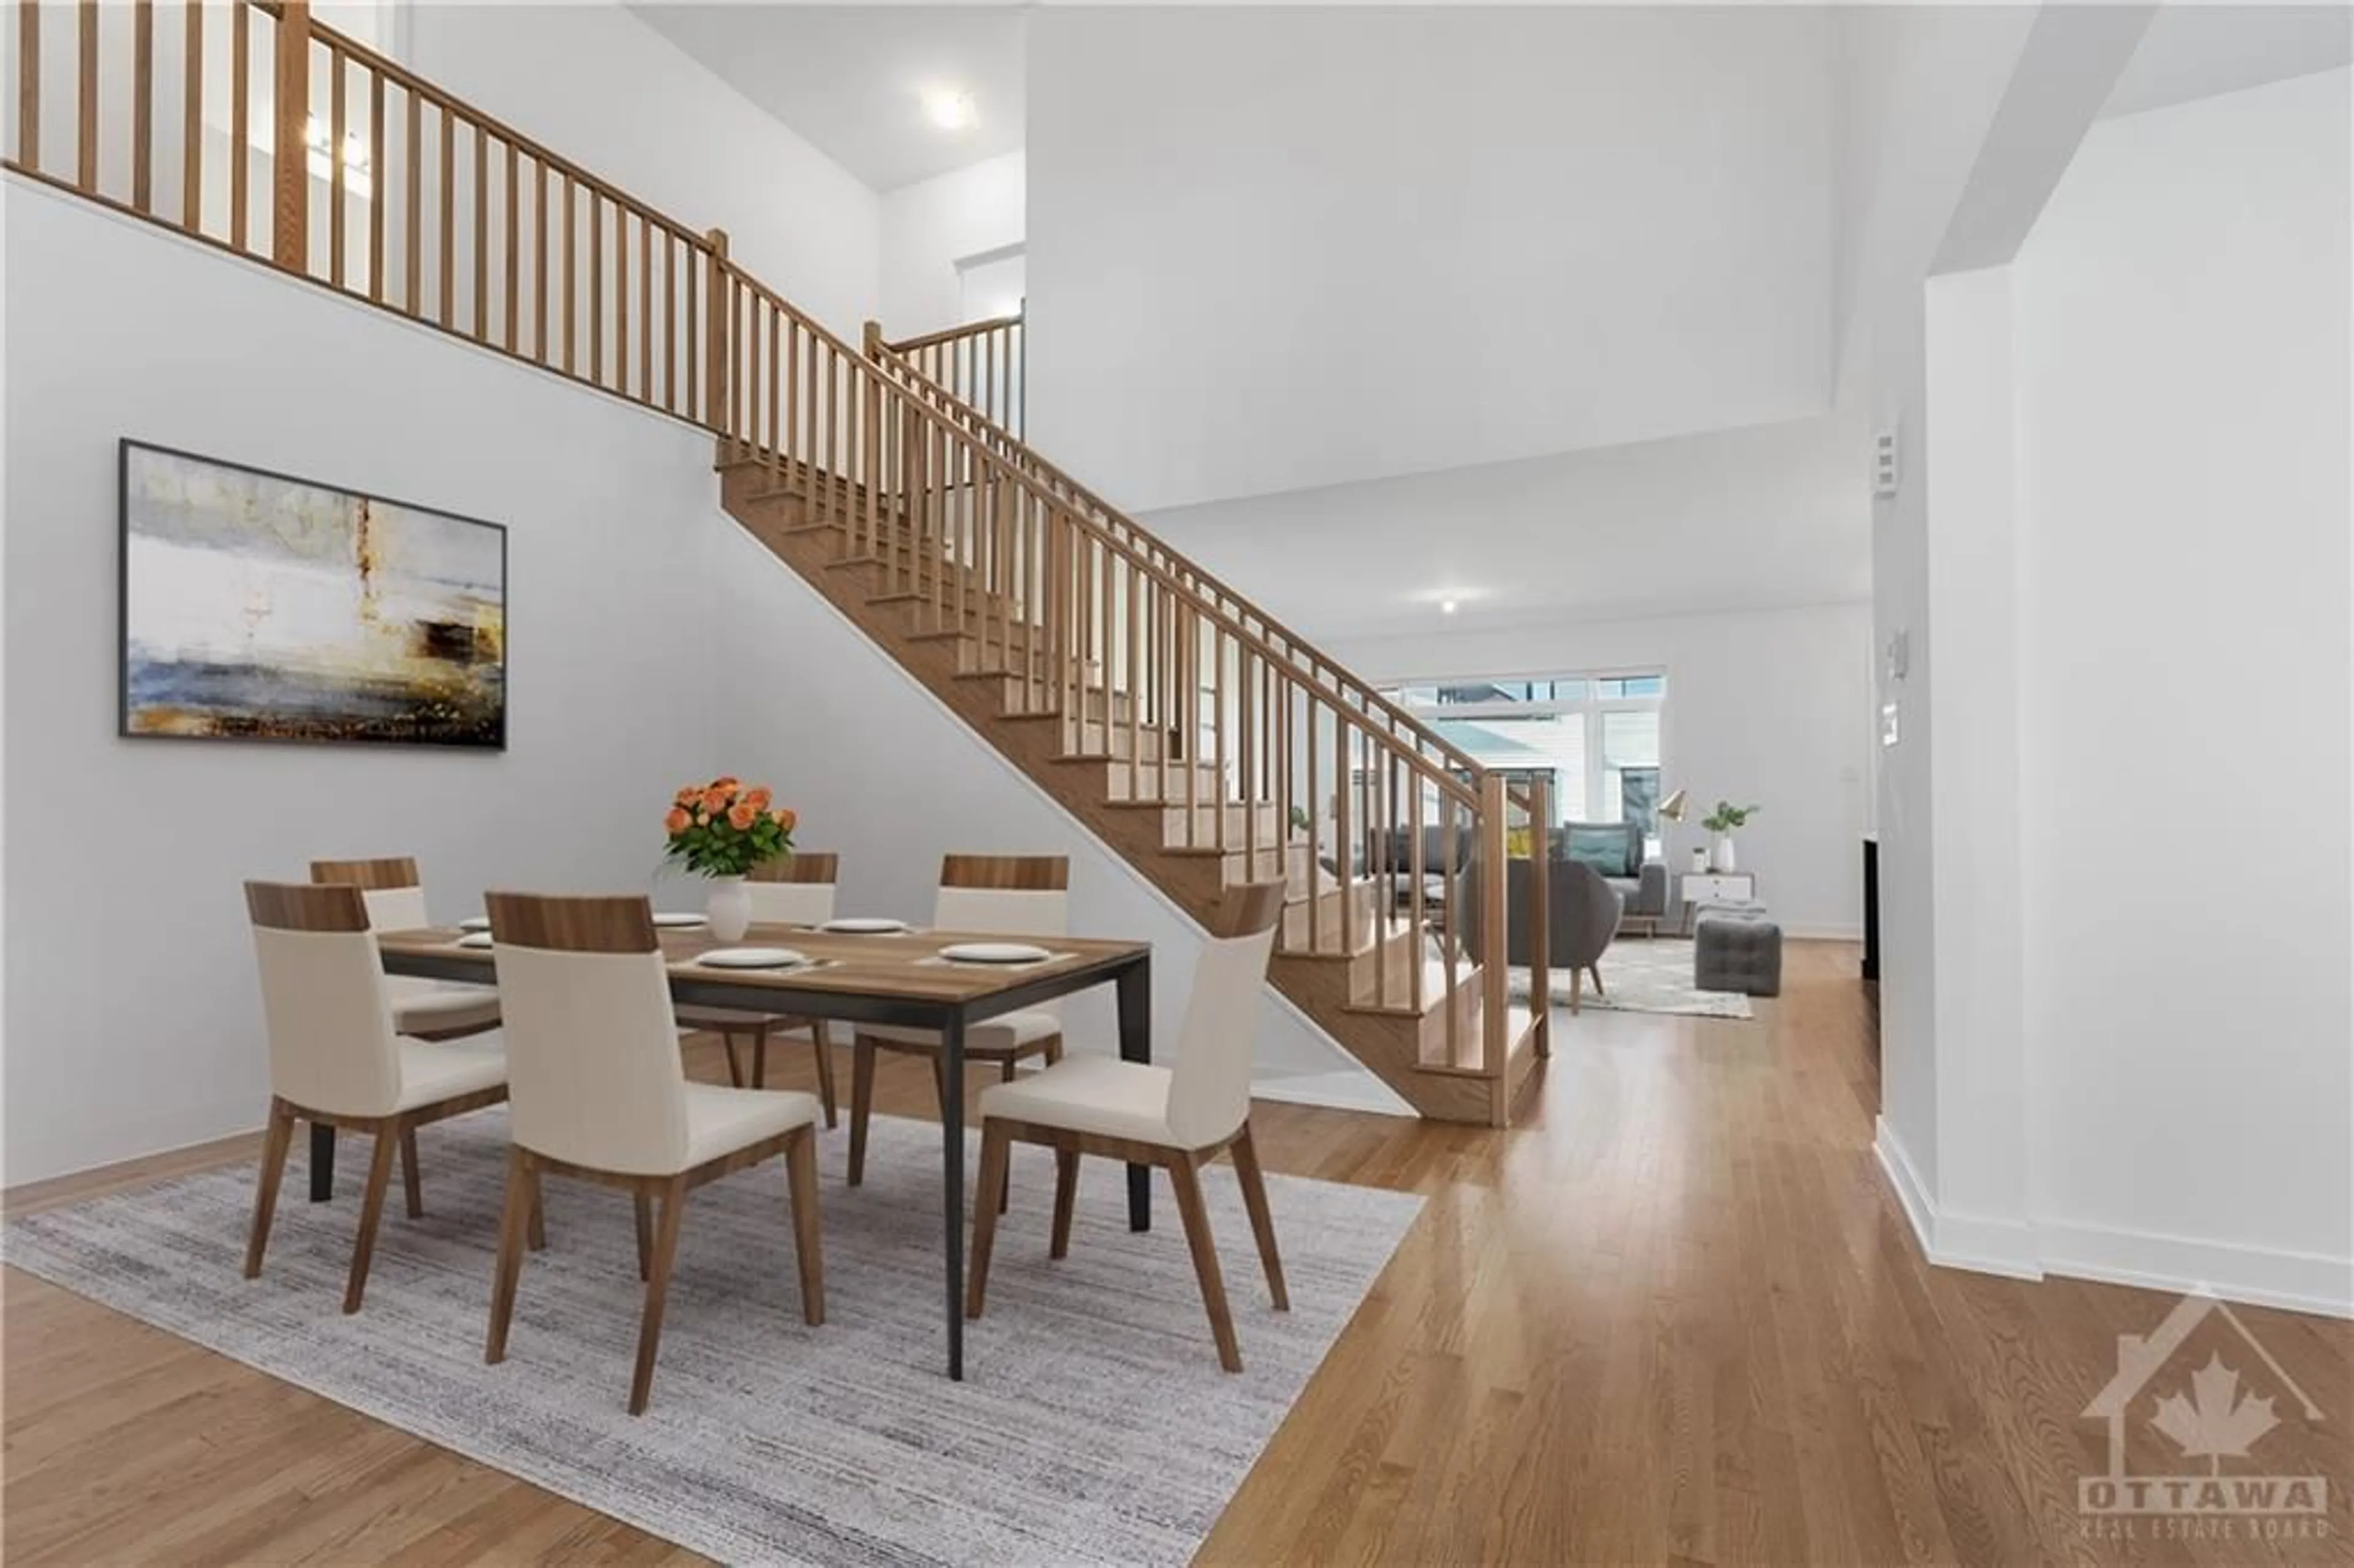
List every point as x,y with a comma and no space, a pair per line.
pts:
1135,991
953,1178
323,1162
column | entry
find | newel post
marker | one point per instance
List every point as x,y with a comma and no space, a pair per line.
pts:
719,303
1494,1008
290,151
871,340
1541,912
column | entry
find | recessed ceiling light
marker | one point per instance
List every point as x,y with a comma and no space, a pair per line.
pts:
948,110
1446,607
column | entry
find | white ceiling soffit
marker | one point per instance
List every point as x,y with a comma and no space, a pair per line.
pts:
2197,51
854,80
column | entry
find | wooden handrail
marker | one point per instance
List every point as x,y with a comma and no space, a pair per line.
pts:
951,335
999,469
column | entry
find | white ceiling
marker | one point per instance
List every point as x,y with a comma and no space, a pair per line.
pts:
2196,51
850,80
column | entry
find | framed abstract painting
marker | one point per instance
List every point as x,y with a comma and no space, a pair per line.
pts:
260,607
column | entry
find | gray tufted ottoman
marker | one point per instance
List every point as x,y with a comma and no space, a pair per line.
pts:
1737,951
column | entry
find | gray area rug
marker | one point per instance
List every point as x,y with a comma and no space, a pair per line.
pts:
1646,974
1094,1425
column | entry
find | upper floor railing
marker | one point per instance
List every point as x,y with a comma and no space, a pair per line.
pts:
984,365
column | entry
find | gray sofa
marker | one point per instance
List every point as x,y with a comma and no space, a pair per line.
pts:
1616,851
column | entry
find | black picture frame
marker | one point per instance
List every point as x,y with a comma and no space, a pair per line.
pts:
126,707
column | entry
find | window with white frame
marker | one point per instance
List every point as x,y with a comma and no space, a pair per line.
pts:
1594,739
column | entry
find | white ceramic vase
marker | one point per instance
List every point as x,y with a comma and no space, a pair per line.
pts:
729,908
1721,858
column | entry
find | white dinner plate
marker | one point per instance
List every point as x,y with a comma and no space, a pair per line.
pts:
994,953
475,923
678,919
864,926
752,958
475,939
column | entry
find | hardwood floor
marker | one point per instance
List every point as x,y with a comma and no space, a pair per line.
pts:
1674,1318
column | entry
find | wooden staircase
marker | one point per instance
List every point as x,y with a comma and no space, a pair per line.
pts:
1096,662
1198,736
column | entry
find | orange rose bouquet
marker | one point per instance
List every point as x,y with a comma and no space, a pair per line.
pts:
723,829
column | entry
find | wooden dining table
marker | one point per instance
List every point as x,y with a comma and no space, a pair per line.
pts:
898,978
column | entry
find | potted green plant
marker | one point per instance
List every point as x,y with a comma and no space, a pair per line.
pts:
1721,822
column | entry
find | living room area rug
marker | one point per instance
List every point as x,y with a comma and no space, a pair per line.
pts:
1094,1424
1645,974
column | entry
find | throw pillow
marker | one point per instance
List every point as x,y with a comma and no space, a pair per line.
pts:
1601,846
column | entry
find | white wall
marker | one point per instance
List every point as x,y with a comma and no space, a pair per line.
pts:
1490,234
931,226
1770,707
1771,516
132,1023
603,89
2186,791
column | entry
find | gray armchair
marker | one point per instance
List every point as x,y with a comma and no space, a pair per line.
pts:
1582,914
1616,851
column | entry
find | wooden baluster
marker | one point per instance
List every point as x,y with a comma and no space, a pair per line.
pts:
1540,916
1492,947
734,405
413,273
1218,725
143,105
481,235
754,307
832,430
192,116
514,246
86,102
809,421
778,378
1139,684
337,171
539,260
1381,888
1344,846
596,286
1315,820
697,387
375,182
449,295
620,299
1450,907
239,115
1418,916
670,322
568,273
645,310
715,393
1245,689
290,171
28,83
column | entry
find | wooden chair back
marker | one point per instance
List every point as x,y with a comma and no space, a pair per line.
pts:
324,1002
390,887
1209,1086
1007,896
797,891
594,1076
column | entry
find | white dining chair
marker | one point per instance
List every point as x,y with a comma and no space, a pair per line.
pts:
599,1092
1003,895
421,1009
796,891
1178,1118
334,1059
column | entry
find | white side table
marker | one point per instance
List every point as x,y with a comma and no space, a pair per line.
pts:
1695,890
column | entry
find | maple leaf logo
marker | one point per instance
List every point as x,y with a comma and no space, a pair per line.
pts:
2216,1422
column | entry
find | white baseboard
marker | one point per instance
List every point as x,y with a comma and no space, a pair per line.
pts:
2256,1276
1983,1246
2259,1276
